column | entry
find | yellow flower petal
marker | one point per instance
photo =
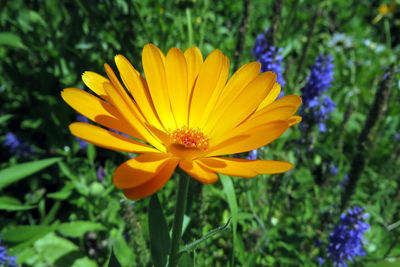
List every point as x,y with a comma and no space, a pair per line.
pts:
97,110
245,167
271,97
207,80
207,111
252,139
132,117
198,172
239,80
235,86
194,59
261,118
121,97
95,83
154,69
294,120
177,81
245,103
139,170
133,81
228,167
154,184
107,139
289,100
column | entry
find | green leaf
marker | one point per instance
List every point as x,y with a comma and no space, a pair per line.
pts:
63,194
23,233
23,170
186,221
91,153
186,261
160,241
67,171
79,228
113,262
229,191
5,117
215,231
122,251
11,39
52,247
13,204
84,262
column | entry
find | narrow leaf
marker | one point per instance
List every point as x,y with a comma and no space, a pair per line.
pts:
229,191
23,233
5,117
160,241
23,170
113,262
204,238
11,39
13,204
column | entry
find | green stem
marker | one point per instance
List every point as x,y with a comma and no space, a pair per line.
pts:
387,33
189,27
180,208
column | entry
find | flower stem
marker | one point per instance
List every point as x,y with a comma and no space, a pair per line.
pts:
180,208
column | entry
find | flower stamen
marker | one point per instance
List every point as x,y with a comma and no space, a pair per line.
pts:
190,138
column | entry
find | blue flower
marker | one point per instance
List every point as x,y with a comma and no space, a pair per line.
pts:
316,108
269,56
252,154
334,170
17,146
5,259
345,242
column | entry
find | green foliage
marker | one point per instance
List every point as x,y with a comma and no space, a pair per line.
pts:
159,235
113,262
21,171
66,214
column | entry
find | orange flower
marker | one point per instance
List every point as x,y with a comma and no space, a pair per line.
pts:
186,112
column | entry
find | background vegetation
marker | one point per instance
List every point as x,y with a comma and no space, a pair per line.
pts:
58,205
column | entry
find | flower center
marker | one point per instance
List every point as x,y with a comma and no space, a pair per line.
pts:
190,138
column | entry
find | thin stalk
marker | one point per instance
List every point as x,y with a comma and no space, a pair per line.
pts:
139,14
364,141
189,27
387,34
306,47
242,33
180,207
204,23
275,22
346,116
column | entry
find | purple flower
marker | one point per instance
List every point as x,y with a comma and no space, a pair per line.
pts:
17,146
82,144
316,108
269,56
5,259
396,136
101,174
346,240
